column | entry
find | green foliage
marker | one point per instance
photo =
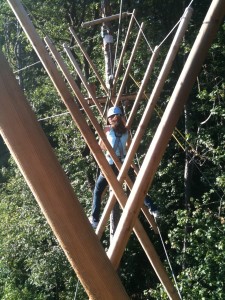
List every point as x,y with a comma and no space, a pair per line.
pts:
32,264
203,256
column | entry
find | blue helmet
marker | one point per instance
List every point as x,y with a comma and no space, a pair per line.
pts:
115,110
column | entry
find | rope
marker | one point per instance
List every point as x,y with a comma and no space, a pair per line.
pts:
75,296
167,257
17,71
143,34
54,116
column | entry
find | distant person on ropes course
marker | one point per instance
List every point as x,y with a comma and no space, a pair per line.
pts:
117,135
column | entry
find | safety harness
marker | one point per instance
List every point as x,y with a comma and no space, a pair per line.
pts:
119,145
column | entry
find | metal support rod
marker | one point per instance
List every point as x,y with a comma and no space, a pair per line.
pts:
165,129
129,65
104,19
89,60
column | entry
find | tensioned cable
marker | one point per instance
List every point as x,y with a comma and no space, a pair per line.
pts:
171,269
17,71
75,296
143,34
54,116
171,31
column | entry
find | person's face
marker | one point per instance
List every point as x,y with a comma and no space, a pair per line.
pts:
114,119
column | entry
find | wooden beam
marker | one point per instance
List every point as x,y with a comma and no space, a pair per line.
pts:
87,110
142,87
82,77
49,184
67,98
63,91
174,47
123,51
148,111
104,19
89,60
164,132
129,65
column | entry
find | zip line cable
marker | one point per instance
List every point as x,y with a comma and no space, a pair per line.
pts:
27,67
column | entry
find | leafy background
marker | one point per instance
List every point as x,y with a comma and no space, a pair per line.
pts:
188,186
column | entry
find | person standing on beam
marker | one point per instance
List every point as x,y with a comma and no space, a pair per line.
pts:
118,136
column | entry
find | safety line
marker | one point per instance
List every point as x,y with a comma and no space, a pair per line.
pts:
17,71
77,285
143,34
167,256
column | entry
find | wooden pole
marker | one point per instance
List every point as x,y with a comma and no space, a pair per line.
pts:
104,19
67,98
83,79
75,113
89,60
129,65
147,114
49,184
85,106
88,136
123,50
164,132
142,87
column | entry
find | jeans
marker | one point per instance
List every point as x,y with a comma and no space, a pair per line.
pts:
100,186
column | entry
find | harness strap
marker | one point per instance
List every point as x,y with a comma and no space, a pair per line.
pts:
119,145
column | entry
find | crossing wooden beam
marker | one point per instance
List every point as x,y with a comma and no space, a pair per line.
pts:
104,19
37,162
165,129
